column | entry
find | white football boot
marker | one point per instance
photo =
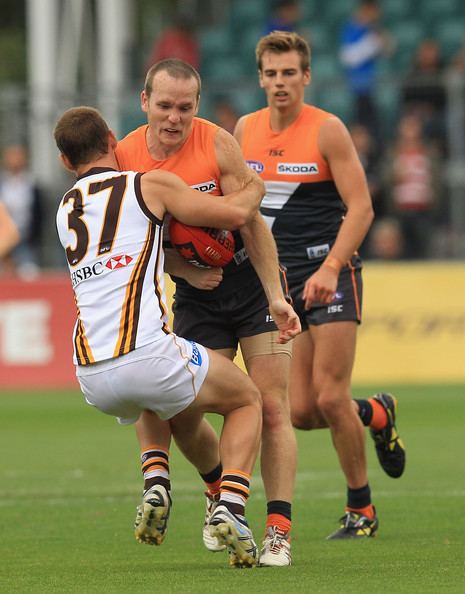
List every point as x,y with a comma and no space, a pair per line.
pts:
276,548
152,516
235,535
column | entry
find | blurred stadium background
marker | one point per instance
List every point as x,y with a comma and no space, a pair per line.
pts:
66,513
59,53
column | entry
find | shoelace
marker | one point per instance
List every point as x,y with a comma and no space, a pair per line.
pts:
213,500
351,517
277,541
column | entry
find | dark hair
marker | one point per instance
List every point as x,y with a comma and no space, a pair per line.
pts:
175,68
280,42
81,134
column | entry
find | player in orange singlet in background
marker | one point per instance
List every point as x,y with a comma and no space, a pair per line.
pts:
319,209
242,304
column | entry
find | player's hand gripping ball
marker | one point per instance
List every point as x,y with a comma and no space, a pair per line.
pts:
202,246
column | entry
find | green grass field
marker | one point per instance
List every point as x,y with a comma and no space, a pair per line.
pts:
70,483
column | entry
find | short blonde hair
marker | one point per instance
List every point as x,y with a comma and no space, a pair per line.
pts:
280,42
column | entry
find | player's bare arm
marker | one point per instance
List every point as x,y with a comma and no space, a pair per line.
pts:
234,172
165,192
261,247
260,243
200,278
337,147
9,235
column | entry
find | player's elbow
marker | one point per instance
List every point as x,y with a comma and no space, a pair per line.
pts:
369,213
364,212
256,187
242,217
260,188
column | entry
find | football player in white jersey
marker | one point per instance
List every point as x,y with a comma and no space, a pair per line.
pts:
110,225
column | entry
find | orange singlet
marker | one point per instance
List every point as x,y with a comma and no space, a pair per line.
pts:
195,162
302,205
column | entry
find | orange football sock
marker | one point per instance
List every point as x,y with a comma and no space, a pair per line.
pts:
380,418
214,488
283,523
368,511
212,479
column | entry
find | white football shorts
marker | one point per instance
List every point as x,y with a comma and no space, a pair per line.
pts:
164,376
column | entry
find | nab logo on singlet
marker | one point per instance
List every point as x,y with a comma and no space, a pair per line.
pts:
208,186
196,358
297,168
256,166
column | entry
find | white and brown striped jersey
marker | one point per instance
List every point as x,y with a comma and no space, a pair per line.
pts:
113,246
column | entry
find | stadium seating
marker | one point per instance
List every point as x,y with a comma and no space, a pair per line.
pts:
228,48
450,34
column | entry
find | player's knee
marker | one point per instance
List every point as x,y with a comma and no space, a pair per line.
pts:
275,410
330,405
250,395
305,418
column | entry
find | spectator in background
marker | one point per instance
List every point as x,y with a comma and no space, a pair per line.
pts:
225,114
177,41
423,91
369,156
386,240
458,60
22,199
412,180
362,45
286,16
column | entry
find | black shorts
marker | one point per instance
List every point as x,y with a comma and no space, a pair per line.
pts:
220,323
346,305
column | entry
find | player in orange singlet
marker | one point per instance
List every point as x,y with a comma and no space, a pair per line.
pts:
318,207
244,303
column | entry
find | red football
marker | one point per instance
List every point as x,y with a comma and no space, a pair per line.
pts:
203,246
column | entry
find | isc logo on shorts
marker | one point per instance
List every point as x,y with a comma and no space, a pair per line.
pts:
196,358
332,309
297,168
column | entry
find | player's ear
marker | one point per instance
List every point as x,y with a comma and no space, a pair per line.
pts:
307,77
66,163
144,101
260,78
112,141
